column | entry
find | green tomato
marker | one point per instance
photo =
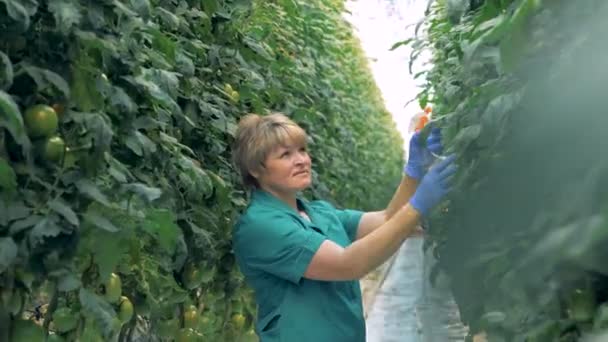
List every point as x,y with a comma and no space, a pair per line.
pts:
600,321
55,338
15,302
26,331
41,121
192,276
191,317
53,149
188,335
582,305
64,320
125,312
238,320
113,288
91,333
168,328
547,331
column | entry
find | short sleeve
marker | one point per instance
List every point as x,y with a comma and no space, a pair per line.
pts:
276,244
350,220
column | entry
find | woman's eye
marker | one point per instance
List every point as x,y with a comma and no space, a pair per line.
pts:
285,154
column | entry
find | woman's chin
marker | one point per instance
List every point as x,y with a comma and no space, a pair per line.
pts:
305,185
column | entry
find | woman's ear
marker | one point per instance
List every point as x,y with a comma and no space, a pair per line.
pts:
255,173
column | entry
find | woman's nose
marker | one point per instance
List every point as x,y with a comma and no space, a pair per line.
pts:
301,157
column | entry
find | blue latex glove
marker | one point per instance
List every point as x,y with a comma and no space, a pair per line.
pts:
434,186
433,142
420,157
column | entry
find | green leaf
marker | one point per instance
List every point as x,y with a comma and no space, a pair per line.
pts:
142,7
169,19
101,131
68,283
123,9
106,252
152,88
147,193
203,182
8,253
148,145
17,211
21,10
60,207
168,81
202,238
90,41
219,184
91,190
66,14
117,175
185,65
66,280
257,47
495,116
401,43
210,6
44,229
101,311
140,144
11,119
171,140
161,225
181,253
163,44
117,170
464,137
86,97
8,179
133,144
120,99
456,9
44,77
6,73
25,223
100,222
107,234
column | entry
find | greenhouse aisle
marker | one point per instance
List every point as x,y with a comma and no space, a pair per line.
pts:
398,313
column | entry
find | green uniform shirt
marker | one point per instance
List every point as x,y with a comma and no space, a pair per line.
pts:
274,245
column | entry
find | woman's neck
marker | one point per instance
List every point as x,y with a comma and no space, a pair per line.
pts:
289,198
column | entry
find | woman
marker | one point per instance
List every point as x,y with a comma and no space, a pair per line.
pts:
304,259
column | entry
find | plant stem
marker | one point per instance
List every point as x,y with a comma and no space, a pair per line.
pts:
51,308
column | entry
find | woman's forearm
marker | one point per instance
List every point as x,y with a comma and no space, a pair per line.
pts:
369,252
374,219
402,195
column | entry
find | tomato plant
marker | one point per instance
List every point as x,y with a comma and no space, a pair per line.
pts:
521,235
117,192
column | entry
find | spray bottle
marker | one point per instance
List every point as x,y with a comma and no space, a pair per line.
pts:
418,123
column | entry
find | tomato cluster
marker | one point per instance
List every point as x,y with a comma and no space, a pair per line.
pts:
42,123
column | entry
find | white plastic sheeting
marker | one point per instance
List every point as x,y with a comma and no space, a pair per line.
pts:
407,308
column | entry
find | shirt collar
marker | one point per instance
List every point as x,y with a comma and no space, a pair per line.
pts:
267,199
264,197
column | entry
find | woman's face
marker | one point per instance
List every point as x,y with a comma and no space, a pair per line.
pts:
287,169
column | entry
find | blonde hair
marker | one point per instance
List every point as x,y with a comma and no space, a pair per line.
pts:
257,136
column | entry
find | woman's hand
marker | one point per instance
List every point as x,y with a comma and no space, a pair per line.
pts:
433,142
420,157
434,186
418,232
